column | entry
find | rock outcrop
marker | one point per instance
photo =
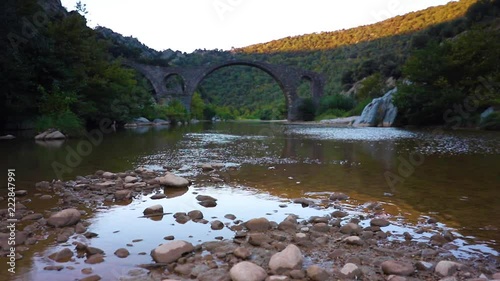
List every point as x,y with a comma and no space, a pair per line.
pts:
381,112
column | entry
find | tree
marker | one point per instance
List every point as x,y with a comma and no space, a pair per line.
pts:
197,106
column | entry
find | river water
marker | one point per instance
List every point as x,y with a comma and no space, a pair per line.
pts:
451,176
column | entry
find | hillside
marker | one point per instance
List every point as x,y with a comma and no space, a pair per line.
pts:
375,51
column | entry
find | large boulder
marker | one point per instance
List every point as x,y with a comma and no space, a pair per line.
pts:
7,137
259,224
288,259
247,271
381,112
172,251
171,180
64,218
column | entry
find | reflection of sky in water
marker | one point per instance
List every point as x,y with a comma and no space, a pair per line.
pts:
425,142
352,134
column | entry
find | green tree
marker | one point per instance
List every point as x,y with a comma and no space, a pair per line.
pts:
197,106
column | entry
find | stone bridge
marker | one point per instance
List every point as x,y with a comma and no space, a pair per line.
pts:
287,77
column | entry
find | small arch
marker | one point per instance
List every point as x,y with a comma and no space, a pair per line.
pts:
174,84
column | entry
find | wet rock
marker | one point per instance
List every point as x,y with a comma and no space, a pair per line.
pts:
395,278
62,256
172,251
171,180
353,240
94,259
54,267
447,268
32,217
21,192
93,251
42,185
379,222
397,268
321,227
108,175
351,228
338,196
287,226
91,278
448,235
208,203
351,271
242,253
170,237
258,239
207,167
156,209
297,274
64,218
130,179
205,198
122,195
438,240
216,225
339,214
159,196
278,278
90,234
195,215
184,269
304,202
259,225
317,273
45,197
230,217
247,271
122,253
7,137
424,266
216,274
80,228
288,259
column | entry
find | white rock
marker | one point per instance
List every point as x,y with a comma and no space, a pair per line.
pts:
350,270
108,175
288,259
56,135
446,268
63,218
156,209
7,137
247,271
172,180
170,252
130,179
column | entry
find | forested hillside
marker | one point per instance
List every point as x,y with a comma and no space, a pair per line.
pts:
345,57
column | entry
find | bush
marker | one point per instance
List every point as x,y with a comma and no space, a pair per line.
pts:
332,114
492,122
307,110
68,122
335,102
372,87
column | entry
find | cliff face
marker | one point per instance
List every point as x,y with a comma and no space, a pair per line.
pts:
52,7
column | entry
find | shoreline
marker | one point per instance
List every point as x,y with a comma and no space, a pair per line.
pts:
338,245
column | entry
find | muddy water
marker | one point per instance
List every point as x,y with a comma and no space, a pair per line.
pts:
452,176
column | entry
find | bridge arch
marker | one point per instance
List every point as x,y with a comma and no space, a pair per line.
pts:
287,77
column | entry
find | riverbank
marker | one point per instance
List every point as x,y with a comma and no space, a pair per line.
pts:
346,242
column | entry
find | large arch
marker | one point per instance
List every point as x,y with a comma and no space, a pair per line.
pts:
288,78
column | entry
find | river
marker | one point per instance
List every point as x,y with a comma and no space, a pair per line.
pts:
452,176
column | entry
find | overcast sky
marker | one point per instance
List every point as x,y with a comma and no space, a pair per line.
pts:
187,25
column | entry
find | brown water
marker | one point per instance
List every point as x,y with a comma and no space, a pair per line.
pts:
454,177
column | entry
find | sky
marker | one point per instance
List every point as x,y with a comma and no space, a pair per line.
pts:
186,25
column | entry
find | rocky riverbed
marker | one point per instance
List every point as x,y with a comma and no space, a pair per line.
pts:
339,245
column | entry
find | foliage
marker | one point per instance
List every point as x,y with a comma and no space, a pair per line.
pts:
68,122
197,106
450,76
331,114
307,110
371,87
63,71
360,106
491,122
336,101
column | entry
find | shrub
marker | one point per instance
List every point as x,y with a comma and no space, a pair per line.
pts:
68,122
492,122
335,102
